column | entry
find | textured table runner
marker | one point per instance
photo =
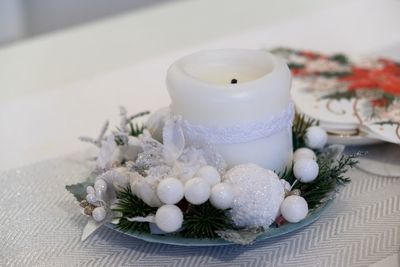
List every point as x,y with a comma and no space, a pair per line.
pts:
41,225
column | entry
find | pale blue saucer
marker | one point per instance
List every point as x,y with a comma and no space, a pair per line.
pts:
192,242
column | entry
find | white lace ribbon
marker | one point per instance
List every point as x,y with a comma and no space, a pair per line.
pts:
240,133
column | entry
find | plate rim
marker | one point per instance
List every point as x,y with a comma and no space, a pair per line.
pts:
194,242
355,140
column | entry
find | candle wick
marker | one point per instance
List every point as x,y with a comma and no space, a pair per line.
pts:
233,81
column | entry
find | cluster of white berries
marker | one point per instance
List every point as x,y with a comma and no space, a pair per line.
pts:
95,196
205,185
294,208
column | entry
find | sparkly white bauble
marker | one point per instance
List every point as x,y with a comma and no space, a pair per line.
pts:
222,195
315,137
294,208
170,190
304,153
210,174
285,184
197,191
169,218
305,170
99,214
258,195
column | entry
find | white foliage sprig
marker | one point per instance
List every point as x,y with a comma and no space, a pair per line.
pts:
122,132
100,138
126,120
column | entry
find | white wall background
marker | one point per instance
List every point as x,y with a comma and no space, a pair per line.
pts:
26,18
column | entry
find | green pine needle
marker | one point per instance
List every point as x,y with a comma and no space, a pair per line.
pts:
331,175
299,128
202,221
132,206
136,129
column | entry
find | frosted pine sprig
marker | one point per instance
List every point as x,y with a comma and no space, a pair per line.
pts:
126,120
100,138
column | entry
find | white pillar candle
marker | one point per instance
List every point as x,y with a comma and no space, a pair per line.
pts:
202,93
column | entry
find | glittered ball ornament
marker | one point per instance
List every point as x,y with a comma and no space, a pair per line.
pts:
305,170
258,195
99,214
169,218
222,196
304,153
197,191
170,190
294,208
315,137
210,174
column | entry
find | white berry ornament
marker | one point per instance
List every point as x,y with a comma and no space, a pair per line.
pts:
170,190
222,195
91,198
197,191
169,218
305,170
315,137
100,186
258,195
90,190
304,153
294,208
210,174
99,214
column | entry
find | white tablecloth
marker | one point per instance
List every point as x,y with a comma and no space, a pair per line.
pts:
41,224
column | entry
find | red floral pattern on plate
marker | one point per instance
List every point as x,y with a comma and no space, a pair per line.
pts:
373,82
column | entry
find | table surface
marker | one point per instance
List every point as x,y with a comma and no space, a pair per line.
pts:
66,84
42,225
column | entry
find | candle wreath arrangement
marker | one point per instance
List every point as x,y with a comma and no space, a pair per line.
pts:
169,178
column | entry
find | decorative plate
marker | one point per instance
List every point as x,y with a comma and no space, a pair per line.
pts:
190,242
357,138
346,95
